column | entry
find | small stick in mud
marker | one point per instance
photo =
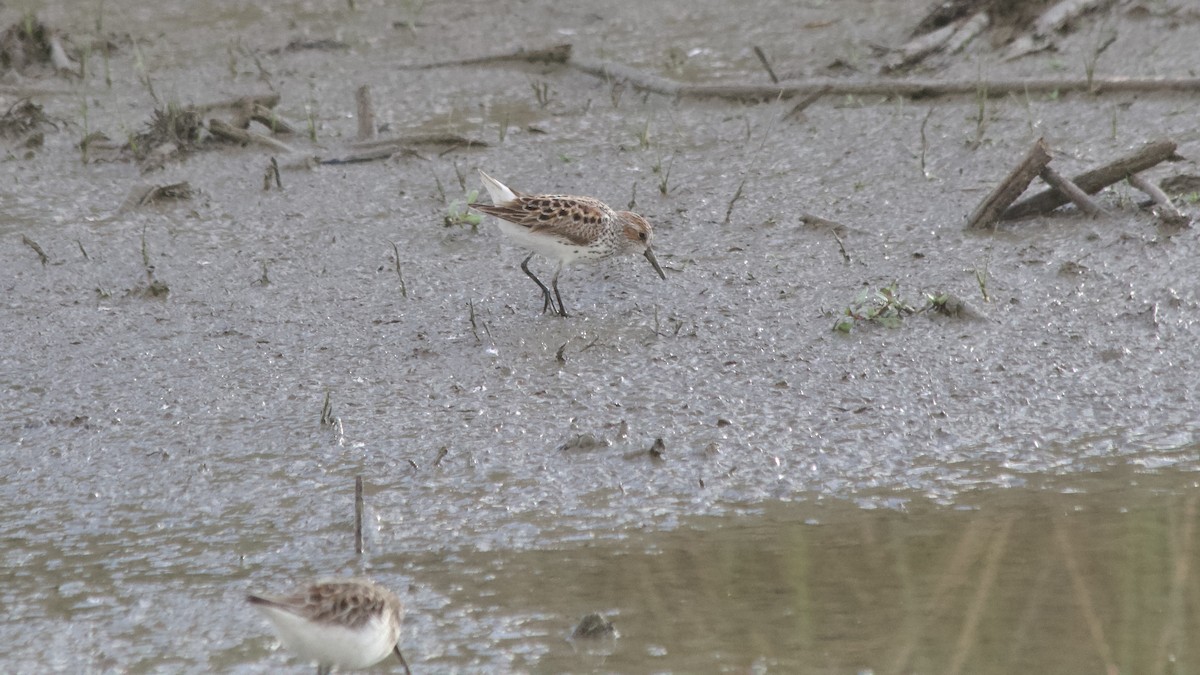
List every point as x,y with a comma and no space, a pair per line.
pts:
366,114
1166,211
835,228
272,173
555,54
222,129
270,119
736,196
1095,180
403,286
36,249
1064,185
762,58
804,103
1011,187
358,514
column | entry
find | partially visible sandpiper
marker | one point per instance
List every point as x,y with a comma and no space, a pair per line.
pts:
565,229
342,623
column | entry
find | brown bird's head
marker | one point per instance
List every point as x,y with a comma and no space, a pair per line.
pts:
637,237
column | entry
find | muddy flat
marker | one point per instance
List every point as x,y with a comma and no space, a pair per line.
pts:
192,382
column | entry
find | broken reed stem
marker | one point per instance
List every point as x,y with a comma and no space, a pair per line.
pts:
1078,197
555,54
327,419
805,103
736,196
38,249
222,129
358,514
912,88
366,114
762,58
1011,187
396,252
924,143
272,175
1095,180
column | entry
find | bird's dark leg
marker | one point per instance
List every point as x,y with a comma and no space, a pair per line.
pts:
402,661
545,291
562,310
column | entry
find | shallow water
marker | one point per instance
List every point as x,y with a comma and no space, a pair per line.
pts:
881,501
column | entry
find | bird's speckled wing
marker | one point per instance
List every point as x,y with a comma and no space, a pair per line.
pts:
575,219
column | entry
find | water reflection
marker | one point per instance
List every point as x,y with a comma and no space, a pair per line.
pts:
1088,579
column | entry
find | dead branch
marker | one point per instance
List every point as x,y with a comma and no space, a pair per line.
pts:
919,47
969,30
1053,19
1011,187
762,58
385,148
418,139
555,54
911,88
1069,189
1095,180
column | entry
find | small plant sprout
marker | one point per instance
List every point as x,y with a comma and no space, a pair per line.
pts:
981,278
664,174
644,136
457,212
883,307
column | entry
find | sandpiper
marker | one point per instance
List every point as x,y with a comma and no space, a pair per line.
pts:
565,229
344,623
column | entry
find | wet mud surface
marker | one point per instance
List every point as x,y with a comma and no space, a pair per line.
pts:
165,453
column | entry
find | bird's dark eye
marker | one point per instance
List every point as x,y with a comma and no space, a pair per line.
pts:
642,236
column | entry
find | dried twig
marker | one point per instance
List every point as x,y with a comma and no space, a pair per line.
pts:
913,88
1064,185
1095,180
221,129
1166,210
1011,187
555,54
762,58
1051,20
919,47
36,249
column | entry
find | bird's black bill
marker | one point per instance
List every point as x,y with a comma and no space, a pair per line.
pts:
654,261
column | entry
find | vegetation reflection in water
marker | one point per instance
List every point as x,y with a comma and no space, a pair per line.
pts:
1063,581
